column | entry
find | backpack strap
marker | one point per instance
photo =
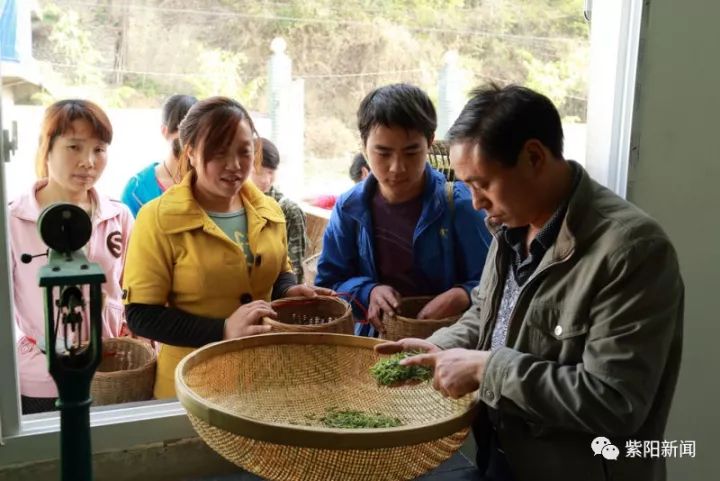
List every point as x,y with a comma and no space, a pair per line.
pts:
449,194
449,191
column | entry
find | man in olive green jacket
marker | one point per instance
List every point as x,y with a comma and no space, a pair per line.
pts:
575,331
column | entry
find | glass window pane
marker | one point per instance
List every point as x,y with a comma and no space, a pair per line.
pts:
302,92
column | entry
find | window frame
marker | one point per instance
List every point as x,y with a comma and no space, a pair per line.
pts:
112,429
611,141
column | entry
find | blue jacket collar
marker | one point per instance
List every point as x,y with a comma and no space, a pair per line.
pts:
358,199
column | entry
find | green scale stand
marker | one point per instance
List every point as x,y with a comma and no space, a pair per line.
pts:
65,229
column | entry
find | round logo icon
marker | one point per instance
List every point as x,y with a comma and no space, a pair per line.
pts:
114,243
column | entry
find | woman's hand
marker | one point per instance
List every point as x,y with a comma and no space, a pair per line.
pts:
452,302
246,319
302,290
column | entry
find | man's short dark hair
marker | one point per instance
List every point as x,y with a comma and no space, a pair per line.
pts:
397,105
503,119
270,155
356,167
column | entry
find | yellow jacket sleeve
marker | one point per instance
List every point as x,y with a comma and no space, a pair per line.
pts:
149,265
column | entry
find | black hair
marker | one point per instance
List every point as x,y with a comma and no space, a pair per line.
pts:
397,105
173,111
356,167
503,119
270,155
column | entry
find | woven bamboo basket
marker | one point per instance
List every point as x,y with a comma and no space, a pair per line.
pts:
316,220
126,372
309,267
405,324
256,400
316,314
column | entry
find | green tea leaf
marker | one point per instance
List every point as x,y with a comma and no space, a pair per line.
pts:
389,371
358,420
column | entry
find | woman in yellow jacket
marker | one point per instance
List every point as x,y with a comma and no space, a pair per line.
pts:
206,257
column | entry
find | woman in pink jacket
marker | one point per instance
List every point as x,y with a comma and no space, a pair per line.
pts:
71,157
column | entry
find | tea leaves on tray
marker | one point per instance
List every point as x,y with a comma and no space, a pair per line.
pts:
358,419
389,371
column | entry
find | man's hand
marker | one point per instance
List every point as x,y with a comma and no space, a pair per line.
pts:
302,290
457,372
383,299
407,344
452,302
244,321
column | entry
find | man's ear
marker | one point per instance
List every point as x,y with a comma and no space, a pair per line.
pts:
164,131
535,153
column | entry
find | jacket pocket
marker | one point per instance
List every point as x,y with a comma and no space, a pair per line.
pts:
556,332
113,318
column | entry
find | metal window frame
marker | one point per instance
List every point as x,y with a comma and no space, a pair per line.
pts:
616,33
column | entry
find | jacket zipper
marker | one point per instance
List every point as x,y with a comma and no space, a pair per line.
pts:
495,300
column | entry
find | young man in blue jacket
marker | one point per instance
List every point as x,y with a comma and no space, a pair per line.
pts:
402,231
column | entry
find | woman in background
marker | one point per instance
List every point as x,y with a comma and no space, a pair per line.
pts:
160,176
72,155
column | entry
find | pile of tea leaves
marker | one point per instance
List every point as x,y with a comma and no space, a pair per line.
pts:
389,371
350,419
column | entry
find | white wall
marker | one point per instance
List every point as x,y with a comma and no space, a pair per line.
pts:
676,179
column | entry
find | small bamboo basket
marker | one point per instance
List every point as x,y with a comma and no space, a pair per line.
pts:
405,323
311,314
126,372
309,267
258,402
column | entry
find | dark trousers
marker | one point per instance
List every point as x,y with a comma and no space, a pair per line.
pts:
498,468
491,459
